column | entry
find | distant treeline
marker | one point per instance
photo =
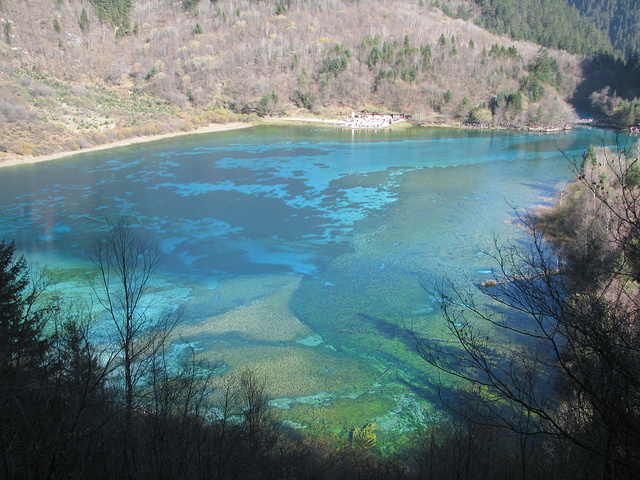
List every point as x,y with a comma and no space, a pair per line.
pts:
605,31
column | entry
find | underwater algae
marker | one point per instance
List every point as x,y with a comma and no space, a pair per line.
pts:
306,254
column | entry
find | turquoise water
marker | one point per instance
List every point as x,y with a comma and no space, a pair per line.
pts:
303,251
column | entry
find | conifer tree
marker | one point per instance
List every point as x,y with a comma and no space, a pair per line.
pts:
84,20
20,325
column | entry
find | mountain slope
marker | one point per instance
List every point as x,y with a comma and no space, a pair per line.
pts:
70,80
552,23
620,19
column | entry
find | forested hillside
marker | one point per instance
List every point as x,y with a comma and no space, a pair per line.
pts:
608,31
114,12
584,27
620,19
78,74
552,23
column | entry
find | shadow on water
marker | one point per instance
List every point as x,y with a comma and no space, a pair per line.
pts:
428,392
539,187
388,329
243,219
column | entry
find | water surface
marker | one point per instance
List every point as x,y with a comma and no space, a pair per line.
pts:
302,251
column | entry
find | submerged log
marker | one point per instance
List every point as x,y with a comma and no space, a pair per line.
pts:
493,282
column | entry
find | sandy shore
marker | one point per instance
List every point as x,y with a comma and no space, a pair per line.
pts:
22,160
14,160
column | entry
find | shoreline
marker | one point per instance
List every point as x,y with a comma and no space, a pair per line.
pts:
335,123
16,160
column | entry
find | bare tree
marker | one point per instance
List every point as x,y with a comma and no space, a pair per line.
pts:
123,286
174,416
246,425
554,346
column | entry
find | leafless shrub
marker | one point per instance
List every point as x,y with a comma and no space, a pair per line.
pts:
7,70
199,97
99,138
177,98
41,90
118,70
79,91
604,100
11,110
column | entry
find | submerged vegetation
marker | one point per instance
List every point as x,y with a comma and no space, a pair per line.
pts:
541,378
546,384
568,383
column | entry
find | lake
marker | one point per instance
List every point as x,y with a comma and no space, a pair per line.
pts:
302,251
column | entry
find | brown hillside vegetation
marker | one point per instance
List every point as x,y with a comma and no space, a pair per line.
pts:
66,86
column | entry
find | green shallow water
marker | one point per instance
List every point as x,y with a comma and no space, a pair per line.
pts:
301,251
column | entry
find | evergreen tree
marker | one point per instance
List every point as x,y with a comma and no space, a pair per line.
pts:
190,4
426,56
115,13
21,345
84,20
281,8
7,31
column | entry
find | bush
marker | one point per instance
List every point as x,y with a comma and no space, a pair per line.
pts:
41,90
79,91
26,148
11,110
124,133
480,115
187,126
151,130
99,138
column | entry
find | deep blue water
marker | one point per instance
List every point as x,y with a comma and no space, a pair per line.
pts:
239,203
352,225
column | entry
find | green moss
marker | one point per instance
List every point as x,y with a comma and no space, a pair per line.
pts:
364,438
339,415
